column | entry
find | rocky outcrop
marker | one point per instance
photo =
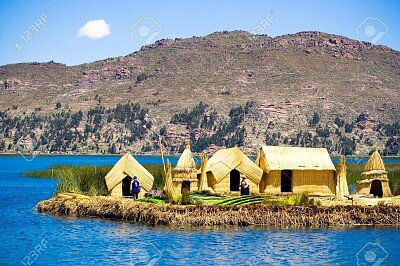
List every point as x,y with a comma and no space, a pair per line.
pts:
10,83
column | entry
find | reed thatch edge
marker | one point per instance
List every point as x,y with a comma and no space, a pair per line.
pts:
363,181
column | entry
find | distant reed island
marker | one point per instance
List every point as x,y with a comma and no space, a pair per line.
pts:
284,187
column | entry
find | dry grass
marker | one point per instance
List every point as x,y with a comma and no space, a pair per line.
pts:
200,215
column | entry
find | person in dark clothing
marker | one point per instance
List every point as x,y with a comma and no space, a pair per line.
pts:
135,188
244,186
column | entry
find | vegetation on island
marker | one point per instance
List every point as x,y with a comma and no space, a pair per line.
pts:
88,179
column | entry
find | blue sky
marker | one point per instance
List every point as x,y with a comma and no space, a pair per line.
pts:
55,36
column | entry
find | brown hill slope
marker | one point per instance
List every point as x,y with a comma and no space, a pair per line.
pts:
288,77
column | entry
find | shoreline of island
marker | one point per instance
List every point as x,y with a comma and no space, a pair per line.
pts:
205,216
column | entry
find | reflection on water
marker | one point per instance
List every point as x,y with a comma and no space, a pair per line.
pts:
93,241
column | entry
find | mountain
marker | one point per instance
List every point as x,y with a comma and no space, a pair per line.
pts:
224,89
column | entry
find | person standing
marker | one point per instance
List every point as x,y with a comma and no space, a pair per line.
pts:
135,188
244,186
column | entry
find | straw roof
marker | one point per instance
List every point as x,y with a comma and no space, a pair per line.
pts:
186,162
127,165
224,161
294,158
375,162
374,169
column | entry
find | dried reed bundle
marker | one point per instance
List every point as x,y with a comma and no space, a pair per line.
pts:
342,189
203,175
169,188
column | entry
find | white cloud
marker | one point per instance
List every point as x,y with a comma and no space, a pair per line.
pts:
95,29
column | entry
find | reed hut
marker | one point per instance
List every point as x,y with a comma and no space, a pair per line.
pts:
296,170
374,178
119,179
225,168
185,172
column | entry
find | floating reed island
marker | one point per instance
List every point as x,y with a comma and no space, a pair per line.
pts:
289,186
217,215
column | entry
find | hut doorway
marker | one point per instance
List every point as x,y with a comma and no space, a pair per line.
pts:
185,187
286,181
126,186
376,188
234,180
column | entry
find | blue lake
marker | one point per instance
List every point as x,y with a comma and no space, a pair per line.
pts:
30,238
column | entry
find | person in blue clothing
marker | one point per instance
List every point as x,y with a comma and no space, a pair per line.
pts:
244,186
135,188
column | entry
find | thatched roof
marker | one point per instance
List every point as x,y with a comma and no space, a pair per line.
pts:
127,165
293,158
224,161
186,162
374,169
374,163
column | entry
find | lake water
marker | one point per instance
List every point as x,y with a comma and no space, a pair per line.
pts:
30,238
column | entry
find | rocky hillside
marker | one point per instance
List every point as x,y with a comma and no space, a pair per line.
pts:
225,89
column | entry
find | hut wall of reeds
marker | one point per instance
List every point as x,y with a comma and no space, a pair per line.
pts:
185,172
296,170
225,168
374,178
118,180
